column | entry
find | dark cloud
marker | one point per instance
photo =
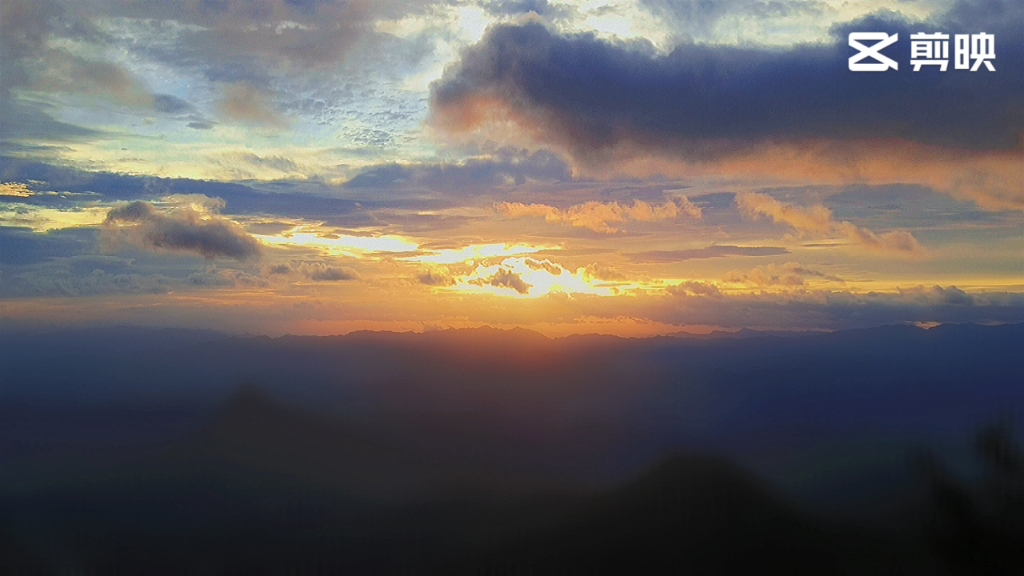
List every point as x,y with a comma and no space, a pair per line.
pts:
181,230
507,279
282,199
171,104
717,251
432,278
316,271
694,288
470,177
588,95
325,273
34,123
552,269
134,212
21,246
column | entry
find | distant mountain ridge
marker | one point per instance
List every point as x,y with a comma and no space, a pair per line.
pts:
516,404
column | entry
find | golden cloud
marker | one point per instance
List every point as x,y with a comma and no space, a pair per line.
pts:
598,216
818,221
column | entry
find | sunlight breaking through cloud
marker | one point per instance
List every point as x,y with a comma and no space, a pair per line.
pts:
339,244
477,252
530,278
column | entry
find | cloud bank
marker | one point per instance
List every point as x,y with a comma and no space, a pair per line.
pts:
795,112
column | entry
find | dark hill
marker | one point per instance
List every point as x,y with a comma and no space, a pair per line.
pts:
696,515
255,435
402,459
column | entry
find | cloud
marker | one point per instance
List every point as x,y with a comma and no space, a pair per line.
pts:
818,221
789,274
31,62
213,276
66,72
244,103
537,278
715,251
694,288
190,228
504,278
301,200
588,93
435,278
170,104
506,168
325,273
15,190
281,34
316,271
82,275
697,19
622,108
22,246
504,8
598,216
818,309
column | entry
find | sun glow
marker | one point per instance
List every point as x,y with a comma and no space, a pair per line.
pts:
530,278
477,252
340,245
41,219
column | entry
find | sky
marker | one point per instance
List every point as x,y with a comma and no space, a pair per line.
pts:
633,167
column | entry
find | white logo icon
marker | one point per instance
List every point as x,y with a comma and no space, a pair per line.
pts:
882,62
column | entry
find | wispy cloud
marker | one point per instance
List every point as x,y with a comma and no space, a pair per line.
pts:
790,274
818,221
715,251
599,216
475,252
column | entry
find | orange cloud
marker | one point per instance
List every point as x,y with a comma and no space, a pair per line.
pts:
791,274
598,216
818,221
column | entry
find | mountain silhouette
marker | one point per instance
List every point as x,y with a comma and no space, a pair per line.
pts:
256,435
695,515
399,460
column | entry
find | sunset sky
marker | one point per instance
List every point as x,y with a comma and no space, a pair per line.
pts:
632,167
